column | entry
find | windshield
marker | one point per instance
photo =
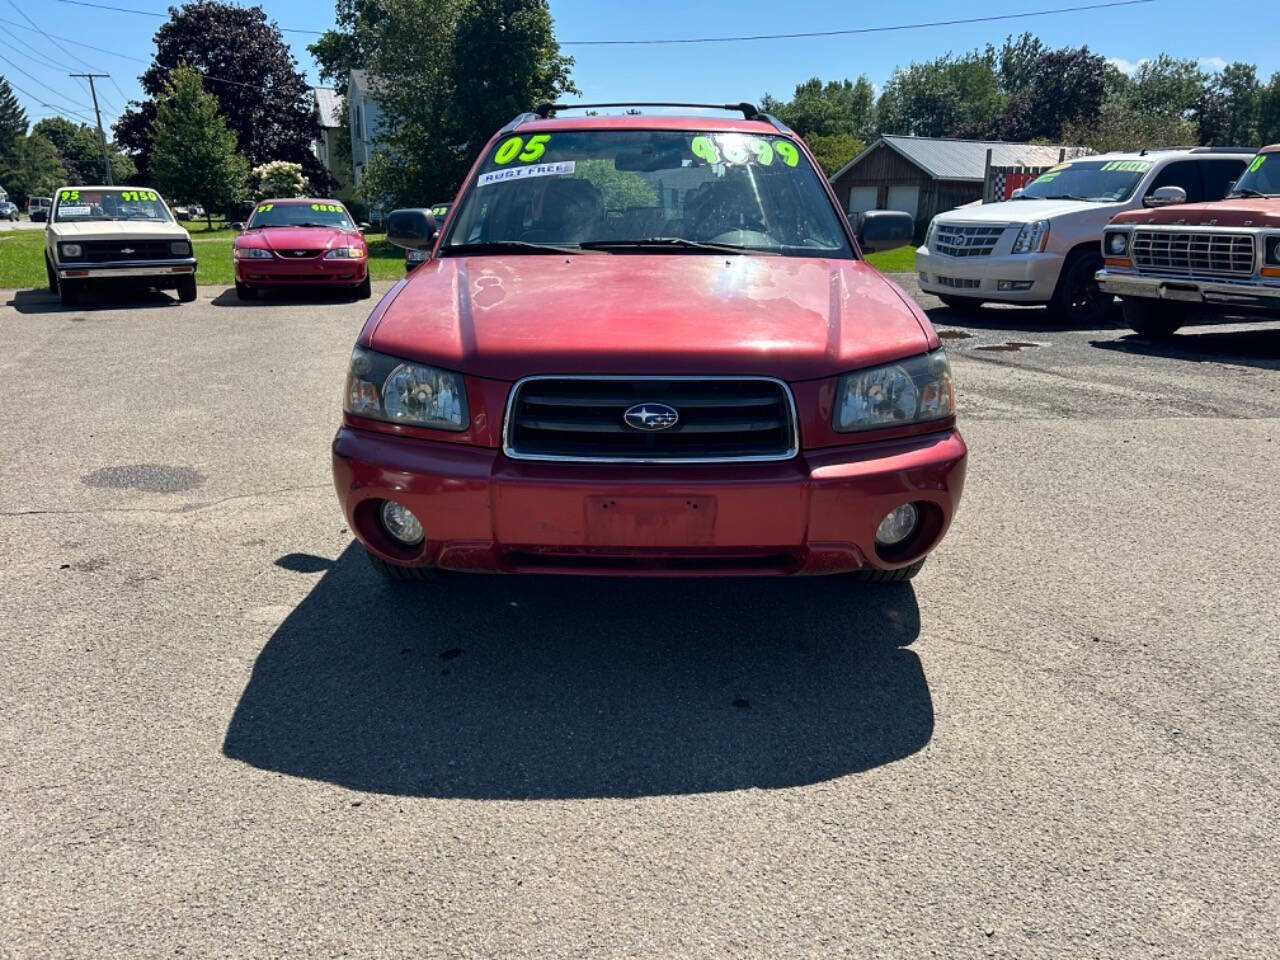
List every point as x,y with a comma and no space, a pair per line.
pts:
1262,176
1103,181
615,189
301,215
78,205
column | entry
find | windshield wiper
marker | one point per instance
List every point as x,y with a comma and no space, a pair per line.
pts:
1248,192
673,243
505,246
1063,196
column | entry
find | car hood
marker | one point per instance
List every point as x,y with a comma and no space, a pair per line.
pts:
296,238
787,317
118,229
1244,212
1023,211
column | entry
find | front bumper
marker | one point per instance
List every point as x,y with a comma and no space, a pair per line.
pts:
1036,272
1253,294
313,270
159,269
816,513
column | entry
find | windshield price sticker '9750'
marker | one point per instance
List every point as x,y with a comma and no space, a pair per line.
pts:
737,149
522,173
525,151
139,195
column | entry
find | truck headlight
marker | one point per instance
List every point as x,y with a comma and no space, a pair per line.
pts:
928,234
344,253
1271,248
251,253
1032,238
380,387
72,250
1116,244
896,394
179,248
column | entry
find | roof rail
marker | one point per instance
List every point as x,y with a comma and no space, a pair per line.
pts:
1224,149
748,110
516,121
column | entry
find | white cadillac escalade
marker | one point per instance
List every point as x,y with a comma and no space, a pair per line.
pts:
1044,247
116,235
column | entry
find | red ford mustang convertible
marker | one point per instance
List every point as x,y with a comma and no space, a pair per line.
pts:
649,345
301,243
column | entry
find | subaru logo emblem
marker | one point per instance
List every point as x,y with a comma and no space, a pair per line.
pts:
650,417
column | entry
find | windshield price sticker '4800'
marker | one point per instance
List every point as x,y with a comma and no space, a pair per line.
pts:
1131,166
737,149
521,173
326,208
1258,161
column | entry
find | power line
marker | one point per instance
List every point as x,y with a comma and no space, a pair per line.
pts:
811,34
35,79
35,26
65,111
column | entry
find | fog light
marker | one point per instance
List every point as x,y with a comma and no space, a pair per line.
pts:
1014,284
897,525
402,525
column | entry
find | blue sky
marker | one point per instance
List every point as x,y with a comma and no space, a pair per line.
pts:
710,72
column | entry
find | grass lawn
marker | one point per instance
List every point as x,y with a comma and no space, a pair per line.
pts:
902,260
22,257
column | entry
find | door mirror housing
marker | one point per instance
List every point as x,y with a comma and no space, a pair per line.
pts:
1165,197
412,229
884,230
1017,192
237,226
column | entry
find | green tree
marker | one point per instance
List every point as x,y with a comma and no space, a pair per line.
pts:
13,119
1269,111
943,97
619,189
32,168
1165,86
81,151
1016,62
343,49
1066,89
263,96
834,151
1120,126
489,60
836,108
193,153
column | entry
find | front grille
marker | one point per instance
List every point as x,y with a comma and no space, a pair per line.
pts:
1191,252
959,283
581,418
298,254
965,241
105,251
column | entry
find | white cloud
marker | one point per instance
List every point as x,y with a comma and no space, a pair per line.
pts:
1212,63
1127,67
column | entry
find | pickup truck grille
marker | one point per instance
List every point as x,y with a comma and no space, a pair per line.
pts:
582,418
106,251
964,241
1193,252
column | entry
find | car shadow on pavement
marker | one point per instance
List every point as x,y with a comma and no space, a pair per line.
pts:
1029,320
555,687
1258,347
277,296
42,301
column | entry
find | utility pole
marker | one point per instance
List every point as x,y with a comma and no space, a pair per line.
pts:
106,157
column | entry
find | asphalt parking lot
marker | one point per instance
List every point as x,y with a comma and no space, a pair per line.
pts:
222,736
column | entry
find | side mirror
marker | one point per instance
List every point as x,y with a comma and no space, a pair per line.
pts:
364,227
1017,192
1165,197
237,226
885,230
413,229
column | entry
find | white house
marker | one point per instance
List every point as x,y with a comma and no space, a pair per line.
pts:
365,117
328,107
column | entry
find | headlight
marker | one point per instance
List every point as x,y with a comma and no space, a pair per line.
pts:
385,388
1272,247
344,253
1032,238
180,248
251,253
928,234
72,250
895,395
1116,244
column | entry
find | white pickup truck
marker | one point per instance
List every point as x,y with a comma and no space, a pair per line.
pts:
116,235
1044,247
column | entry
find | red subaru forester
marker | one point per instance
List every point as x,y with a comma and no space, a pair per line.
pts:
648,344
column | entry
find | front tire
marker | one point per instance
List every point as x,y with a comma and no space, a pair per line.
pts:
187,289
401,574
246,292
68,293
1152,319
49,272
364,290
901,575
1078,300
